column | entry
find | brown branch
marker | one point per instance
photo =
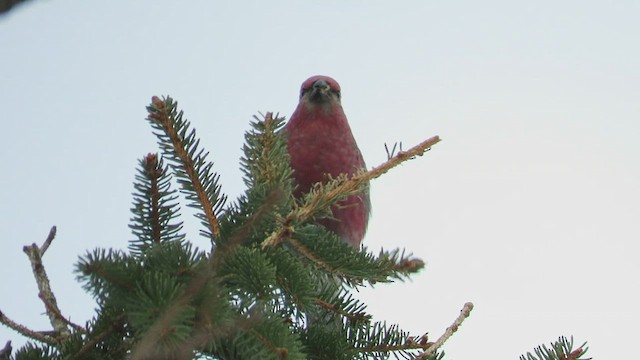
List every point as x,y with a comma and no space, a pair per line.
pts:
575,355
153,174
26,331
340,188
47,242
45,294
163,117
409,265
58,322
53,308
464,313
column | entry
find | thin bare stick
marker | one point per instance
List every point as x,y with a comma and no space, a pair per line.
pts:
34,253
47,242
50,307
56,311
464,313
25,331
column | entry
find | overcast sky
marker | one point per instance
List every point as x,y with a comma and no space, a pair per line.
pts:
529,208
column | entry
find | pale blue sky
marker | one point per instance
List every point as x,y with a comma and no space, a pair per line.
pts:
529,208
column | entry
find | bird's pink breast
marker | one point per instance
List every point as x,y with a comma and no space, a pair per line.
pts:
321,143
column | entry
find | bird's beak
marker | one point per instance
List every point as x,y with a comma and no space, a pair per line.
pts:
320,85
320,91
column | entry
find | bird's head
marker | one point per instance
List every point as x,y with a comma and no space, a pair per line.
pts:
320,90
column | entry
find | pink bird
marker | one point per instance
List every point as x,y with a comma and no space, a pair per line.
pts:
320,143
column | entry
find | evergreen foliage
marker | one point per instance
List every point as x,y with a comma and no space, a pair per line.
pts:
274,285
245,298
560,350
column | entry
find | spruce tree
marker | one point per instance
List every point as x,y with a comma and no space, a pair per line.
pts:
272,285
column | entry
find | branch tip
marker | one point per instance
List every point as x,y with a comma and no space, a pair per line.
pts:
464,313
47,242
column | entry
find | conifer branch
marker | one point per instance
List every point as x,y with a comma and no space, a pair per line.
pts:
243,231
380,339
409,266
280,352
264,151
162,327
89,345
153,206
356,317
325,194
153,174
464,313
200,186
352,266
401,264
97,265
410,344
300,248
335,262
201,277
560,350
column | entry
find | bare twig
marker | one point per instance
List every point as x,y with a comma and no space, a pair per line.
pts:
342,187
58,321
34,253
47,242
56,311
464,313
25,331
